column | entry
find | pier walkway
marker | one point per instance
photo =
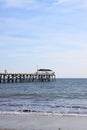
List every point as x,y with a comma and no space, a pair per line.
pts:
42,75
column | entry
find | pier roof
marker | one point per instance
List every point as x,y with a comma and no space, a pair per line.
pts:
44,70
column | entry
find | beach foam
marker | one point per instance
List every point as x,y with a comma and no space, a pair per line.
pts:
41,113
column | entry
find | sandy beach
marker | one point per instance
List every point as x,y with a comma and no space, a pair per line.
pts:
37,121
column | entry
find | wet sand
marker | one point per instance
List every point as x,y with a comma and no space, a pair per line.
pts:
37,121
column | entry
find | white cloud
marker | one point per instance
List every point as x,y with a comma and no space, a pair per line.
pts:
28,4
73,4
34,4
1,44
64,1
13,3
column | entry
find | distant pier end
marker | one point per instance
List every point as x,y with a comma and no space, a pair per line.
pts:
42,75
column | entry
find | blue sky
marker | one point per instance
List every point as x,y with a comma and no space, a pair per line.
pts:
48,33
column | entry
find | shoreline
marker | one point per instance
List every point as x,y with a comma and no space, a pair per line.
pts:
41,113
40,121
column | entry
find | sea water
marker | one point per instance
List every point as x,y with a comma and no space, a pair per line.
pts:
63,96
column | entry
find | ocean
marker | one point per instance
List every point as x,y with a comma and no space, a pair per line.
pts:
62,96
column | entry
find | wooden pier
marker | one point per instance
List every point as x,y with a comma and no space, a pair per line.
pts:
42,75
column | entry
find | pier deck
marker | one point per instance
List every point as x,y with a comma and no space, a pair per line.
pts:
42,76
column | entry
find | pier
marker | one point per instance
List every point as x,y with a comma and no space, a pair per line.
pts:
42,75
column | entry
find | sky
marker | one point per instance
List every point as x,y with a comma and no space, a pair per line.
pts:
49,34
